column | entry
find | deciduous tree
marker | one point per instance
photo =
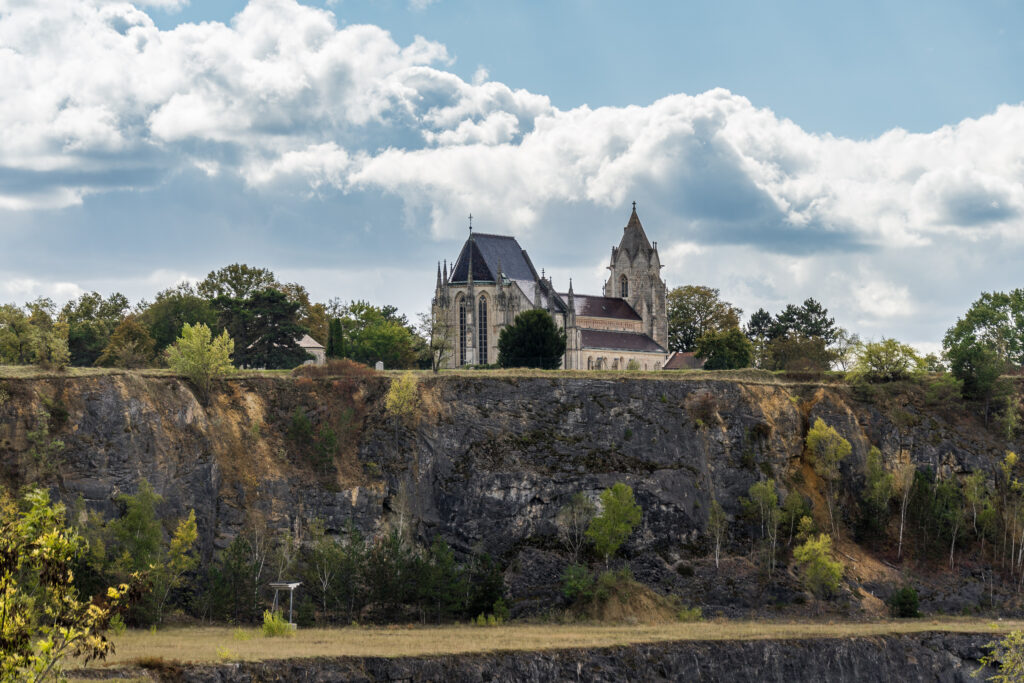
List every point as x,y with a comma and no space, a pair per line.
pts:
695,310
725,349
826,449
618,517
200,357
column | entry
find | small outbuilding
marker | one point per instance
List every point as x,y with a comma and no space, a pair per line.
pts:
313,348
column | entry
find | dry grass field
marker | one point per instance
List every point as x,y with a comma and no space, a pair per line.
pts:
211,644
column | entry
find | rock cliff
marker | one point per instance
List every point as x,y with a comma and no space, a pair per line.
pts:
486,462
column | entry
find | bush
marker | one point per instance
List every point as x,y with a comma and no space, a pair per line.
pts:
274,625
903,603
690,614
577,582
201,357
335,367
821,574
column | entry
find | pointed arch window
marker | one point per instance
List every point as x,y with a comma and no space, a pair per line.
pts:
462,331
624,287
481,321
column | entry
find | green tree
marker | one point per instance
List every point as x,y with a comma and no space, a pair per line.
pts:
531,341
878,490
1007,657
237,281
572,522
694,311
821,574
809,321
335,339
130,346
91,320
826,449
265,329
439,336
985,342
32,336
725,349
402,402
886,361
903,484
43,617
168,573
766,501
373,333
172,310
201,358
718,524
619,515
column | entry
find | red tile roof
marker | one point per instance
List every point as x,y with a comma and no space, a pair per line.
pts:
683,360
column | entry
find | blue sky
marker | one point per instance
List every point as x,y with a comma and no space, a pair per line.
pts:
869,155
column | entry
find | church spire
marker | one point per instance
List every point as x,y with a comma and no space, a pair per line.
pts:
634,240
438,276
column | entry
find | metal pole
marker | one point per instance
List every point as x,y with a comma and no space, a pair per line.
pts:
291,600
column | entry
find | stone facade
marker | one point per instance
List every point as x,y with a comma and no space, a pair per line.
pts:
493,280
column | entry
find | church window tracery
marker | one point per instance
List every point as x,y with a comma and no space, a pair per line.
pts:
624,286
462,331
482,329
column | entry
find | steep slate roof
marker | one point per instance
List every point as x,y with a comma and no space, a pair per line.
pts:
308,342
602,307
619,341
634,239
488,251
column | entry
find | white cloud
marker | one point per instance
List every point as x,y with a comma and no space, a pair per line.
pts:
94,97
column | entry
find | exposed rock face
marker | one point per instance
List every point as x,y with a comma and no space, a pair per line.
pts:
923,657
487,465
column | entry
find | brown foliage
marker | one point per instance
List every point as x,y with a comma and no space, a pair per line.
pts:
335,367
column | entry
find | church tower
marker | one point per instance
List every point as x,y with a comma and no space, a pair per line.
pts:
636,277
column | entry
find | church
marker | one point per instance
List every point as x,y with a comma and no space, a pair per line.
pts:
493,280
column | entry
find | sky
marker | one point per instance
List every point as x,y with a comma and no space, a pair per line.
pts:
869,155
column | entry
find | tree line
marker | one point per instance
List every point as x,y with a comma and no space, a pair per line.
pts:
263,316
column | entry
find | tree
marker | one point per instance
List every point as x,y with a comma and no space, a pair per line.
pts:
173,309
1007,656
531,341
130,346
618,517
766,501
810,321
44,618
878,490
91,320
335,339
572,522
717,526
265,329
821,574
373,333
885,361
759,331
826,449
903,483
33,337
402,402
845,348
725,349
693,311
168,574
237,281
201,358
984,343
440,338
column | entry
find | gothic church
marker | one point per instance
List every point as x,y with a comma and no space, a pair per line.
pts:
493,280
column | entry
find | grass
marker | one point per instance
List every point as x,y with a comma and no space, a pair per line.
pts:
201,644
